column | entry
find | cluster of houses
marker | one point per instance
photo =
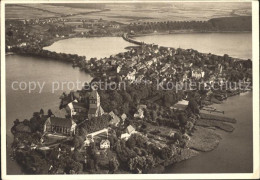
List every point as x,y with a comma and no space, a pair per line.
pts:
38,21
22,29
152,62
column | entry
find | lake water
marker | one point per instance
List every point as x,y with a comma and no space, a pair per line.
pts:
98,47
234,44
21,104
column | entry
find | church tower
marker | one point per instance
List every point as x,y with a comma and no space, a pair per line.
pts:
94,99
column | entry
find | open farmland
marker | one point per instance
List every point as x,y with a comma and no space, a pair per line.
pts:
30,11
123,12
64,10
22,12
166,12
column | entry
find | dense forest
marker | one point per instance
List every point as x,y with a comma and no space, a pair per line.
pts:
241,23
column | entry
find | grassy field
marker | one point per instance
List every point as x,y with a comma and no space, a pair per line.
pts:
131,12
21,12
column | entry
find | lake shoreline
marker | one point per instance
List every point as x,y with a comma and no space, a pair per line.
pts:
185,32
52,41
228,156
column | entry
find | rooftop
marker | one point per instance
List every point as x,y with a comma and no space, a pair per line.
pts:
57,121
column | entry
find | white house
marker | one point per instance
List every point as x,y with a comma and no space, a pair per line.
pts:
139,114
123,117
125,136
131,75
129,131
70,108
115,119
105,144
197,73
180,105
118,69
88,141
22,44
92,135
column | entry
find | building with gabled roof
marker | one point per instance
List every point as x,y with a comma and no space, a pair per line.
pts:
130,129
115,119
105,144
60,125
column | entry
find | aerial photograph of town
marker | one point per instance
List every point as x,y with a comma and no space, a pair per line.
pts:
128,88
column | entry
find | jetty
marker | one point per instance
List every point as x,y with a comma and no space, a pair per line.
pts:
212,109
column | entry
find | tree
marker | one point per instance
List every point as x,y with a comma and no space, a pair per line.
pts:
78,141
136,98
115,96
113,165
131,142
91,164
182,119
154,115
72,167
16,122
137,163
166,153
193,106
26,122
127,97
125,108
149,162
50,113
168,99
36,115
77,156
189,125
147,114
41,112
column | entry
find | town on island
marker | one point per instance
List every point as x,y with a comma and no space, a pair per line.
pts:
146,123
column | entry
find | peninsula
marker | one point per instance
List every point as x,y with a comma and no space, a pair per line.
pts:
145,109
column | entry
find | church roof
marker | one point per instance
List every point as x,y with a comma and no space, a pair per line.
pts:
79,105
57,121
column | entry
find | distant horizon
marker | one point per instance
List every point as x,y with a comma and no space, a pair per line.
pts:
122,12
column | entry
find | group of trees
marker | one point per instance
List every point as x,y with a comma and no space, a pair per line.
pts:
138,156
38,51
62,160
35,124
170,25
126,100
32,162
94,124
60,30
242,23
